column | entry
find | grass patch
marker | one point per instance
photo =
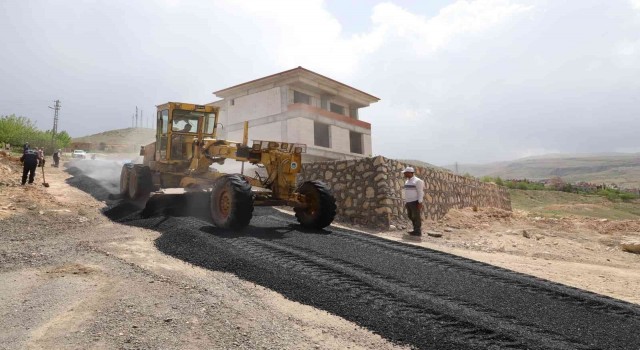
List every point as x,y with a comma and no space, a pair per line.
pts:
559,204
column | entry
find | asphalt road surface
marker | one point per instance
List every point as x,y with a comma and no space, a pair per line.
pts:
410,295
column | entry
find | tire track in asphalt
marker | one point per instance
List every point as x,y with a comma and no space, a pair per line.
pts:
455,263
472,318
410,295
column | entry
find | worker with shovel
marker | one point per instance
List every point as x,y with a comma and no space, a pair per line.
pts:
29,159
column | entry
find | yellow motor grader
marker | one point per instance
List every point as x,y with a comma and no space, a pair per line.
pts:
184,156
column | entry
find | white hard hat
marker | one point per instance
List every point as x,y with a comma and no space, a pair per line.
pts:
409,170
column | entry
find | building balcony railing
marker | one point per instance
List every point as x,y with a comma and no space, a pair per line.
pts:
328,114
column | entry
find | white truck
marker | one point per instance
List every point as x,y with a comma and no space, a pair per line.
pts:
79,154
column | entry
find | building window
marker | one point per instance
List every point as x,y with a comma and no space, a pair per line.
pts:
353,113
321,134
299,97
336,108
233,101
355,139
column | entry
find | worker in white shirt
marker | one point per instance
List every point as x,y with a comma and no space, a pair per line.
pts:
413,197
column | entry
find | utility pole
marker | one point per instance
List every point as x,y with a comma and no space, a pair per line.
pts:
141,118
54,131
457,168
133,116
136,116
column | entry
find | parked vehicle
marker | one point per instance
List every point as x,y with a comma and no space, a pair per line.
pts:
79,154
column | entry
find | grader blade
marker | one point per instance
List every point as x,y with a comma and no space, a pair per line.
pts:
178,203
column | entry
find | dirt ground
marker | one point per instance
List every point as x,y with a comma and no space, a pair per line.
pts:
71,278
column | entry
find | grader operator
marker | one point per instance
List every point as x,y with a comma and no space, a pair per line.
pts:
184,156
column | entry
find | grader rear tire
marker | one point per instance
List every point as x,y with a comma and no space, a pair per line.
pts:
140,183
321,209
124,180
231,202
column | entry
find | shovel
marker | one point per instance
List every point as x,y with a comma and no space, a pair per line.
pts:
44,181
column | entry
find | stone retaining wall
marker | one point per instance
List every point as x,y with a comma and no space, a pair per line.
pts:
369,191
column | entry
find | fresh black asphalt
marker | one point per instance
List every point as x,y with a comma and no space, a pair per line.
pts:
407,294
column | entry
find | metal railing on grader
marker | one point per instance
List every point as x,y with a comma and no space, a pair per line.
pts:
184,155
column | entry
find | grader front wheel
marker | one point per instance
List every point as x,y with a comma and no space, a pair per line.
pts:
320,209
140,183
231,202
124,180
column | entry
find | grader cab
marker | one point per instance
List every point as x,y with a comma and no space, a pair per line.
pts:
187,151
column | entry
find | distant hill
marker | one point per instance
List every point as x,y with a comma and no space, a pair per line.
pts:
129,139
619,168
119,135
422,164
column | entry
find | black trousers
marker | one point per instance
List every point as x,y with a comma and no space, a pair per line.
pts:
414,215
29,169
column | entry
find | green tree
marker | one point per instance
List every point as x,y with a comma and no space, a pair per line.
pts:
63,139
16,130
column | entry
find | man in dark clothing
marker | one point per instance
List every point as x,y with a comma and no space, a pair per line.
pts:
25,147
29,164
56,158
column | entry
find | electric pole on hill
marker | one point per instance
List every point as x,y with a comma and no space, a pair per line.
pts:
136,116
54,131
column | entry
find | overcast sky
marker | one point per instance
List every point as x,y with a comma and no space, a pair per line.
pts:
466,81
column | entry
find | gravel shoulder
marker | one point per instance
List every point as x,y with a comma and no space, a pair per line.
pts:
70,278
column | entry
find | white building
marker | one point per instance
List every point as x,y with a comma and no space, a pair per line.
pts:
300,106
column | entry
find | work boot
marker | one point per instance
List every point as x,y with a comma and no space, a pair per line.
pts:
412,237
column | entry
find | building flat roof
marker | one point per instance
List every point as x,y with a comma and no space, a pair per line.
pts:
284,74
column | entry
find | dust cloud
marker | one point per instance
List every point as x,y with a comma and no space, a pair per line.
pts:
98,177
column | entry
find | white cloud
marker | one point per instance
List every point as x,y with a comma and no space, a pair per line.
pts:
461,17
411,114
478,81
518,81
305,33
300,33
